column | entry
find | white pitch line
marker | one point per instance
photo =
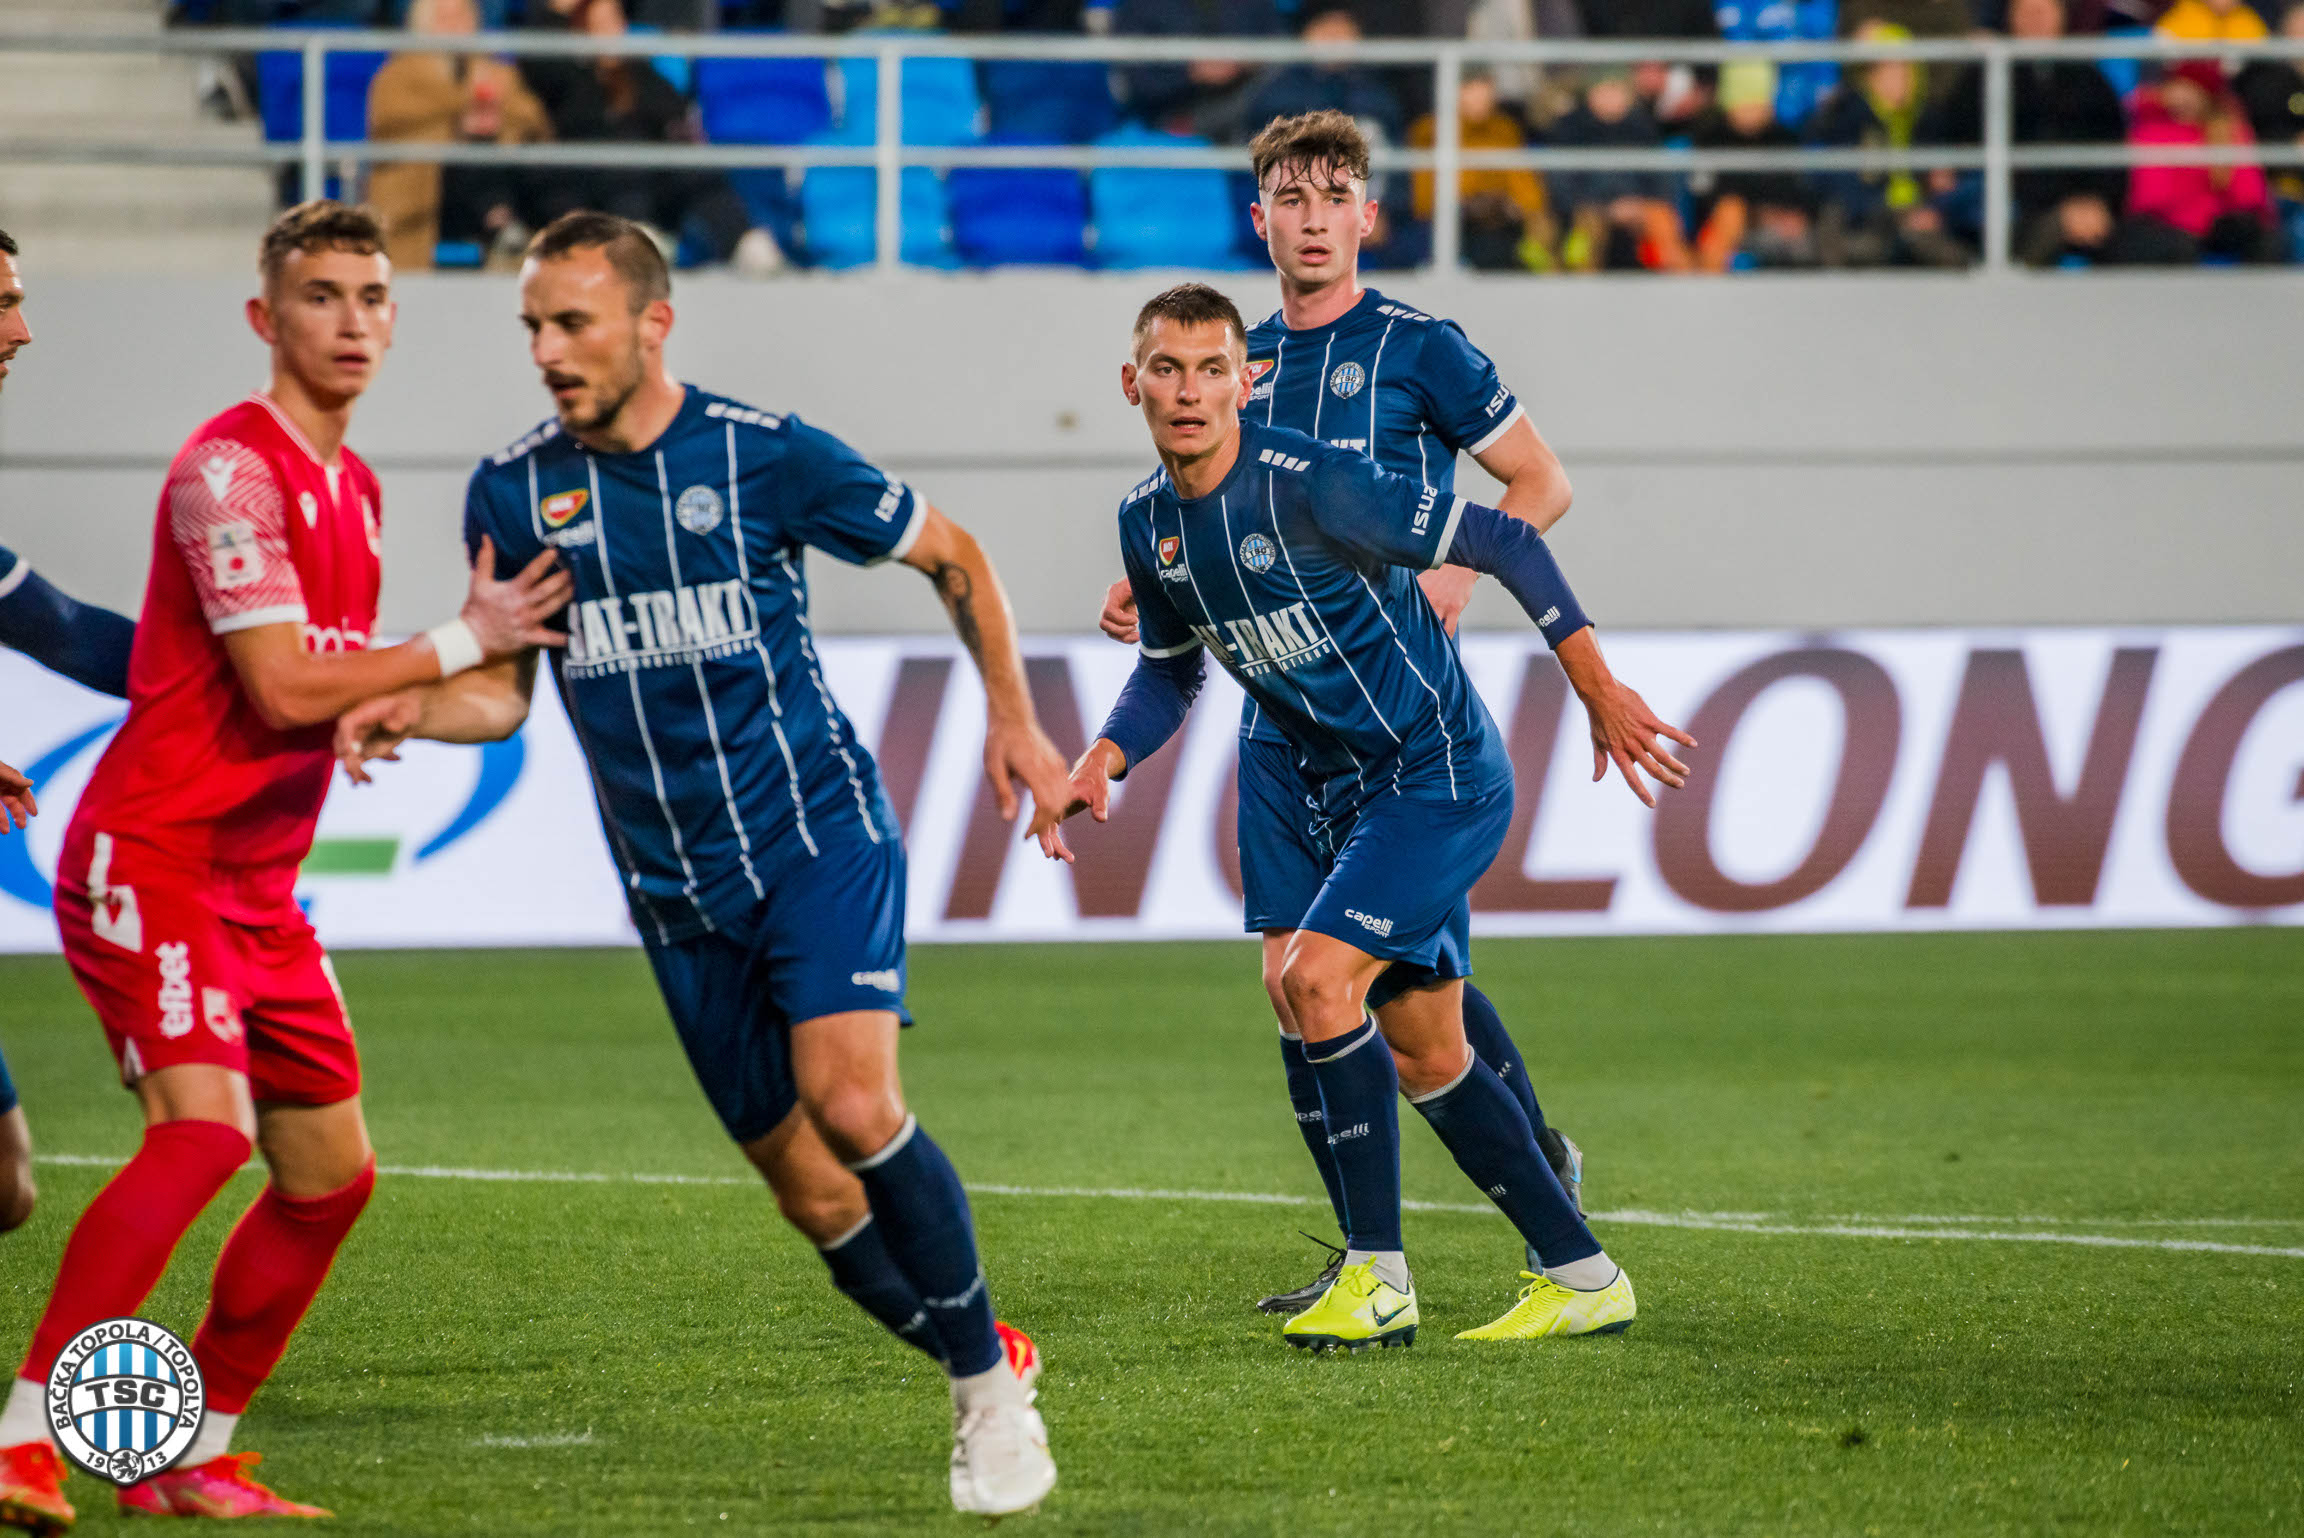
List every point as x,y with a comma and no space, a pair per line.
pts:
1915,1227
550,1439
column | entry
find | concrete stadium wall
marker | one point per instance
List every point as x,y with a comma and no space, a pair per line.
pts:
1796,452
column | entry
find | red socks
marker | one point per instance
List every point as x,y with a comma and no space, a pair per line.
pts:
268,1275
122,1242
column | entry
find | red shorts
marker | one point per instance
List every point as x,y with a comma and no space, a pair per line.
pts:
175,981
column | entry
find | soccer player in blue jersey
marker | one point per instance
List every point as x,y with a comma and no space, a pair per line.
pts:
762,862
1366,373
84,643
1290,560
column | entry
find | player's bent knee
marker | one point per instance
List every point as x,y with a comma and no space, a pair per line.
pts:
1319,994
857,1121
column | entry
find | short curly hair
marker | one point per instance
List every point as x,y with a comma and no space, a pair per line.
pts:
1308,142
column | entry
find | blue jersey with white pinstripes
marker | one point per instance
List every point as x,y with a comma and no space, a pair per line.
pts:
1297,572
1383,380
691,676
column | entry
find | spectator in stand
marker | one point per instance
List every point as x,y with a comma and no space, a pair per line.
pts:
1617,220
1647,18
1338,84
1505,226
1918,18
1876,218
450,98
1764,216
1208,97
619,100
2178,214
2212,21
2059,214
2272,91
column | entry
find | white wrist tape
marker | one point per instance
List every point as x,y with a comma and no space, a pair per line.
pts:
456,647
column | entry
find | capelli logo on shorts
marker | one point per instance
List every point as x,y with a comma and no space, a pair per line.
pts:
886,981
1369,922
175,959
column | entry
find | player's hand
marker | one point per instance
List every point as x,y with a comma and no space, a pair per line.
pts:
375,729
16,800
1019,751
1448,589
1090,792
1119,617
1624,729
507,617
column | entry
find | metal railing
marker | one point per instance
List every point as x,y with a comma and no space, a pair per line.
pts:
1998,157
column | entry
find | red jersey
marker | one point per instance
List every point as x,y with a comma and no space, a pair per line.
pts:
253,530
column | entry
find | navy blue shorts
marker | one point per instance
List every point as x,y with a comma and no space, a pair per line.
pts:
7,1089
1401,885
827,939
1285,850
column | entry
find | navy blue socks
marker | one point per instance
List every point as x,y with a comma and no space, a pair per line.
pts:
922,1215
1304,1098
1358,1101
863,1269
1485,1130
1484,1028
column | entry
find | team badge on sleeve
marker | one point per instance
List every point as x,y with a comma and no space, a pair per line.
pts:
699,510
1168,548
558,510
125,1400
234,557
1346,381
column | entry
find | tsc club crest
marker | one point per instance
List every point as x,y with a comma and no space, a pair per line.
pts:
1168,549
558,511
125,1400
1346,381
1257,553
699,510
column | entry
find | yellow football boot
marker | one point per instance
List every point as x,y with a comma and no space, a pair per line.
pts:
1360,1309
1547,1308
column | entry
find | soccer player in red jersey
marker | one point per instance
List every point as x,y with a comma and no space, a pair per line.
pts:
175,892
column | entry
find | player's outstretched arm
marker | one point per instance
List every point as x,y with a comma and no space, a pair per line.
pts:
1536,491
1624,729
1151,707
1015,748
86,644
16,800
500,621
486,704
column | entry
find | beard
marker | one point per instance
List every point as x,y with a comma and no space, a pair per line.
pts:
612,397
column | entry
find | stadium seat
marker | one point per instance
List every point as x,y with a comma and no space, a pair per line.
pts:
1160,218
1027,215
280,94
763,101
1049,102
837,205
940,103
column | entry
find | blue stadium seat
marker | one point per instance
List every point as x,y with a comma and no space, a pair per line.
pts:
1049,102
763,101
280,94
941,106
1158,218
837,206
1028,215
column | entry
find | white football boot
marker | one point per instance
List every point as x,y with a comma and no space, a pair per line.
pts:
1000,1462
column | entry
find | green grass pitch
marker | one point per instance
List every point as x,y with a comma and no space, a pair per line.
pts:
617,1357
